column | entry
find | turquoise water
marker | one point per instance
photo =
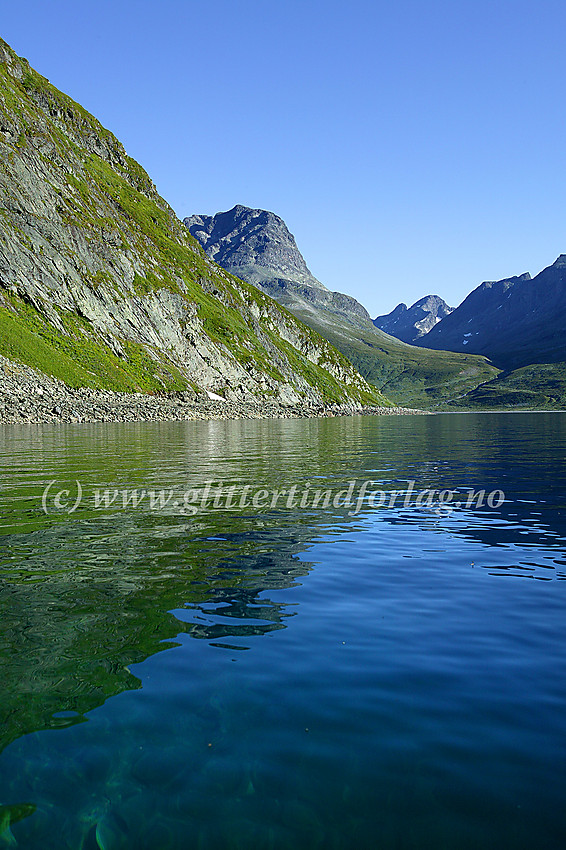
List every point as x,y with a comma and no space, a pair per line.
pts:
286,677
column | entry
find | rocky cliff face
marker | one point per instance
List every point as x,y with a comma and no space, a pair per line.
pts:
515,322
101,285
411,323
256,242
256,245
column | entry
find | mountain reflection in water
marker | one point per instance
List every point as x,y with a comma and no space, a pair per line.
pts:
302,640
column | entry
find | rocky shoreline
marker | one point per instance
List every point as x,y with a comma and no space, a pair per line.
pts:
27,396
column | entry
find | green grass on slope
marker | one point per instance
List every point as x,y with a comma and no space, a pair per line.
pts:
542,385
410,376
113,193
79,359
331,388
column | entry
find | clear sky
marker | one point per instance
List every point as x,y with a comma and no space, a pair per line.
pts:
412,147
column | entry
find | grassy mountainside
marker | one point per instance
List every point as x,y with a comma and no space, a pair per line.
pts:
257,245
540,385
102,286
408,375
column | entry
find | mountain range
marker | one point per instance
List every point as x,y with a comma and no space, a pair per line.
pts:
502,347
101,285
411,323
514,322
257,245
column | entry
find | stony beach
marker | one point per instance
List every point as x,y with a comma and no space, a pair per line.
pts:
30,397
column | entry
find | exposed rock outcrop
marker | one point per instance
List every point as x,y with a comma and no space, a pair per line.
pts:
28,396
101,285
257,246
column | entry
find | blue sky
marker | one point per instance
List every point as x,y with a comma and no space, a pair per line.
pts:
412,148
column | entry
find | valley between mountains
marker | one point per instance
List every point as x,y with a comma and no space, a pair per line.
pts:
103,288
502,347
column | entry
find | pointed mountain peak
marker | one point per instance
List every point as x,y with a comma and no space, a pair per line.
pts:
410,323
253,244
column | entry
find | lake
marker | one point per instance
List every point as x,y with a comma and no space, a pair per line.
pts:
192,658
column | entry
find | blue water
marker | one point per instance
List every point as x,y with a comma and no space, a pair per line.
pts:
287,677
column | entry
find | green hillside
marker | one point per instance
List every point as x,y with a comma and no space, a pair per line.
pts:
101,285
410,376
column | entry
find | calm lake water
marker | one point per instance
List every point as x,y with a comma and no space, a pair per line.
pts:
283,677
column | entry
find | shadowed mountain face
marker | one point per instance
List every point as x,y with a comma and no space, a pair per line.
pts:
411,323
257,246
515,322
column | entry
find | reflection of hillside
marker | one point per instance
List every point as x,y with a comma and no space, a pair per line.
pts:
72,622
82,598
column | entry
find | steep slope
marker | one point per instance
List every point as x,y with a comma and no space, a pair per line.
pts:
407,375
518,323
515,322
101,285
410,323
257,245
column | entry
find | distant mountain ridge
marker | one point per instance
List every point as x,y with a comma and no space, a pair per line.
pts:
410,323
515,322
257,242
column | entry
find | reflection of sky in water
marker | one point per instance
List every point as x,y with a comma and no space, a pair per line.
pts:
285,678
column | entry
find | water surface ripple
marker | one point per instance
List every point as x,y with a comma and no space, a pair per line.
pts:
286,677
